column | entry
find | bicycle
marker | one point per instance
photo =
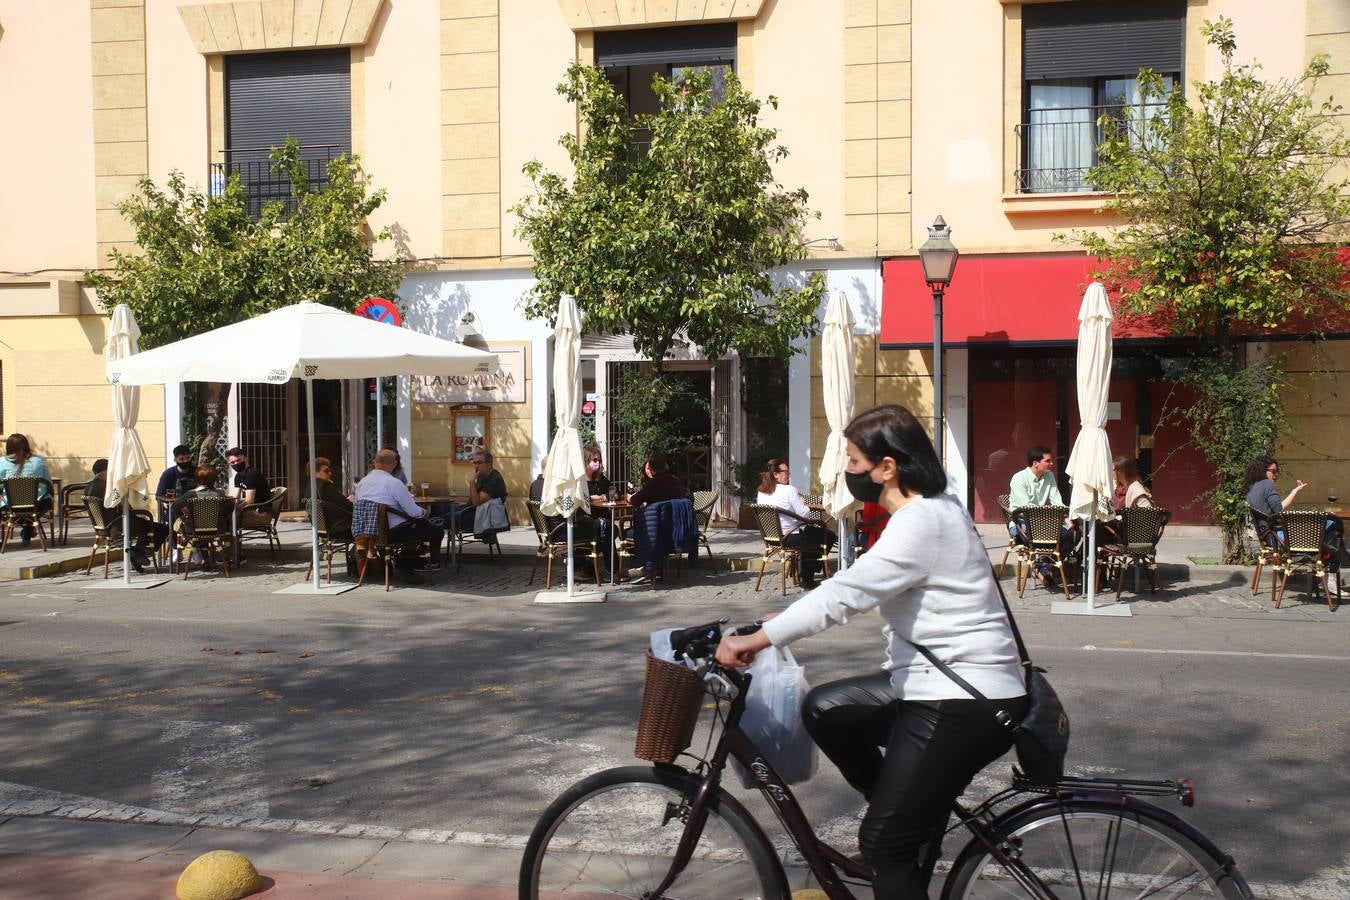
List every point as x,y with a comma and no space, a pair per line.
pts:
670,831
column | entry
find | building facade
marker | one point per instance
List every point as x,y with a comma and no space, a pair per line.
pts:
894,112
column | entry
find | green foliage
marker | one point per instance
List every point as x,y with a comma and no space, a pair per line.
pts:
680,240
1237,415
1229,199
649,407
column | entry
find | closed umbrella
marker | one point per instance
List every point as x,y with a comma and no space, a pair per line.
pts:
836,369
1089,467
128,467
306,341
565,486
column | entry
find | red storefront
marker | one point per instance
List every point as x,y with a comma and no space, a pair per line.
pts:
1017,315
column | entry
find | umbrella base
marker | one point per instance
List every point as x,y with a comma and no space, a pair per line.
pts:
1066,608
574,597
136,584
307,588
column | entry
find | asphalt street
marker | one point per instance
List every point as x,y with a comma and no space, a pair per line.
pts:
468,707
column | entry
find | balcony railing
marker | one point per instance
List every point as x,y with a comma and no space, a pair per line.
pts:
1057,147
261,184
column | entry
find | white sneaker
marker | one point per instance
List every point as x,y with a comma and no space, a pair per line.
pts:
1332,583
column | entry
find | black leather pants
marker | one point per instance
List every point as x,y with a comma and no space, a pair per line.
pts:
933,748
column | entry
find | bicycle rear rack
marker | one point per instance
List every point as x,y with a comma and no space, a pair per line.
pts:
1183,789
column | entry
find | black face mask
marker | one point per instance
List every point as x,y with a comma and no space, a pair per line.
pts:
239,467
185,467
862,487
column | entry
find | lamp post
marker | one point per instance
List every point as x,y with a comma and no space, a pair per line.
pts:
938,257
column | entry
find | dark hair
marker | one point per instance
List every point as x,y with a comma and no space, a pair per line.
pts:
236,451
593,452
206,476
1035,453
1256,470
321,462
892,430
182,450
99,467
766,483
658,462
16,445
1125,466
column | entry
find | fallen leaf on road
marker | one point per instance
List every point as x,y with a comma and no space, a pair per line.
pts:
305,655
264,650
236,652
208,649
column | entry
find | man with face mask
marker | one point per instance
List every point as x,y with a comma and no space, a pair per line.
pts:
250,485
177,478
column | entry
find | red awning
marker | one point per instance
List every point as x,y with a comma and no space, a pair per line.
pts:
1014,298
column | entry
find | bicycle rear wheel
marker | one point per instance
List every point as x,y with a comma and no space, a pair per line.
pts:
614,835
1101,850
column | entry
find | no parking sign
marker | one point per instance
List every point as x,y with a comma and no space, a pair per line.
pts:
380,310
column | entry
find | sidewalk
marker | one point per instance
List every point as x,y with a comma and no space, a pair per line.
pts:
70,859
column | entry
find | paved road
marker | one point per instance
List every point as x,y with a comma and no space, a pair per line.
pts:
468,710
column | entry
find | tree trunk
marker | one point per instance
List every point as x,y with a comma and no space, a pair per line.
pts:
1232,546
217,395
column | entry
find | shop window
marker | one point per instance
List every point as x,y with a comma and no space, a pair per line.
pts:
1080,62
631,59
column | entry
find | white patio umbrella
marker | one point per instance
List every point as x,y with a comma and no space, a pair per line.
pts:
305,341
1089,467
128,466
565,475
836,369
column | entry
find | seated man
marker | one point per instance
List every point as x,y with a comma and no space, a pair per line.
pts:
250,486
486,512
177,479
337,508
145,534
408,522
1035,486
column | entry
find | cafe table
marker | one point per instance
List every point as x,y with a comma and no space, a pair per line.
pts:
619,511
427,501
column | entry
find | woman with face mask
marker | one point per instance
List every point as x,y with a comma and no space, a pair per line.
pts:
597,483
929,577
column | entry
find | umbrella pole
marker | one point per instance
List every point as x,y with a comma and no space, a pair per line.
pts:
569,553
313,481
379,416
842,525
1090,589
126,542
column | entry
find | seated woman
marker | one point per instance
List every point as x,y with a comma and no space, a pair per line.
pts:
337,508
206,477
811,538
658,483
146,535
1259,483
1130,491
20,461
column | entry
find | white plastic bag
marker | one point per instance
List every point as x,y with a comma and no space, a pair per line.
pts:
773,716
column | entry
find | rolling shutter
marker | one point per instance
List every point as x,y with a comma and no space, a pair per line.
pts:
650,46
1091,38
304,94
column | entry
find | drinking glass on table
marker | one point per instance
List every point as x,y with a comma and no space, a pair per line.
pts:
426,488
1332,496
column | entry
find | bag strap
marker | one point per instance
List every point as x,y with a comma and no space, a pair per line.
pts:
999,715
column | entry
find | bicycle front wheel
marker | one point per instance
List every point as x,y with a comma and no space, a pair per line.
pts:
614,834
1105,851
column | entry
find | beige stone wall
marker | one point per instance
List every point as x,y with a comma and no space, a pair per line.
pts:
508,440
1328,25
1317,403
55,392
470,128
877,112
121,146
882,376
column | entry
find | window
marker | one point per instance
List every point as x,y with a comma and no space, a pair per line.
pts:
272,96
632,58
1080,61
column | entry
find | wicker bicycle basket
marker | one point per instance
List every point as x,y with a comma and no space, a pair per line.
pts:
671,698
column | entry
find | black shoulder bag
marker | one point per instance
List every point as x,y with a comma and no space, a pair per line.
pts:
1042,737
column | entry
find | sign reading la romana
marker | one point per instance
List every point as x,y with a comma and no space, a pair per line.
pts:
505,383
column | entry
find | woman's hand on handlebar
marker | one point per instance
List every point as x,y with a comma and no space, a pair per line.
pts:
738,651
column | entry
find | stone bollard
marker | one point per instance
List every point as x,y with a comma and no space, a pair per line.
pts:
218,875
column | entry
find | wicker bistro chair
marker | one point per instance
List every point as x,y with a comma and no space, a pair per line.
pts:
22,509
271,506
380,546
1015,548
553,545
1140,529
1270,548
69,510
771,530
108,534
704,501
1041,526
329,545
206,526
1304,531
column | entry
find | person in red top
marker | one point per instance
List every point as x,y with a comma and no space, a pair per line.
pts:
871,522
658,483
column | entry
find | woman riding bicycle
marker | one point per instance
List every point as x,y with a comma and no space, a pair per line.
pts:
929,575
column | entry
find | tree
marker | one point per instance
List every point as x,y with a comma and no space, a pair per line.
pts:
676,240
204,262
1230,202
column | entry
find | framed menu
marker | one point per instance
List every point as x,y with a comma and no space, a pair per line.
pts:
468,430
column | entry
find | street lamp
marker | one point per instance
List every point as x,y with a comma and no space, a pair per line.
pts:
938,256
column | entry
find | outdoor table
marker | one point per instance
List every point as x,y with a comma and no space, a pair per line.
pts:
618,510
428,500
57,503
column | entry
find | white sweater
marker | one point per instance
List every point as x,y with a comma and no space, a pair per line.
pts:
929,575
